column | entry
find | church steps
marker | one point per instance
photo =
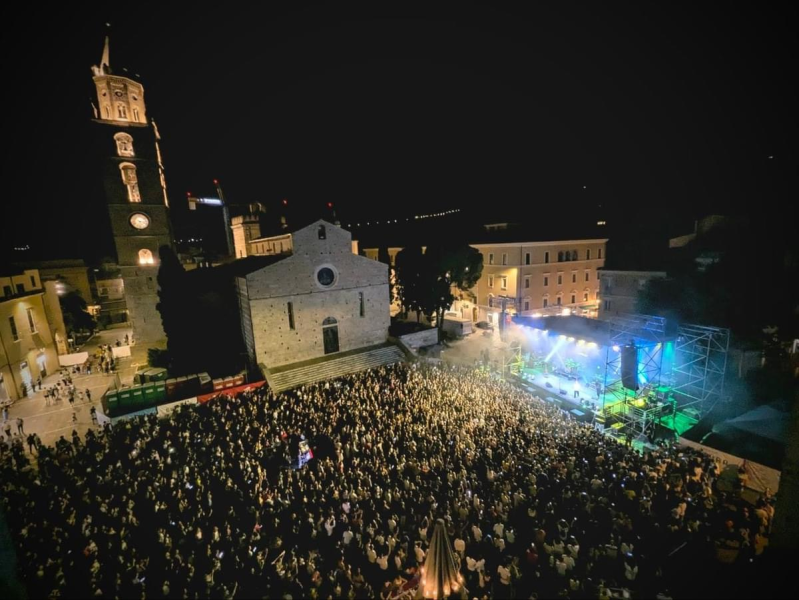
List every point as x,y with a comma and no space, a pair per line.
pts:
334,368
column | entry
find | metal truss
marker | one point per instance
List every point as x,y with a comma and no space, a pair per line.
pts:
625,411
700,364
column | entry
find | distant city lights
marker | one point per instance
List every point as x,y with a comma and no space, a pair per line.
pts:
416,217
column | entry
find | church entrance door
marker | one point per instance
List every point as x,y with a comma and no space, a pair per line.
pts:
330,335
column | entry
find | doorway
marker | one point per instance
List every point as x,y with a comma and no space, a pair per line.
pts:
25,372
41,361
330,335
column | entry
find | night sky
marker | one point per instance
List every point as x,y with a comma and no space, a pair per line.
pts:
659,112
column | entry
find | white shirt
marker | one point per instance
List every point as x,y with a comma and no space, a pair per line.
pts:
347,535
460,545
419,554
499,529
383,562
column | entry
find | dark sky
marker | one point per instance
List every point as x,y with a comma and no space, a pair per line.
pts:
663,111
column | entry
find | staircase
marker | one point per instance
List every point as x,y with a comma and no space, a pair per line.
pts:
291,376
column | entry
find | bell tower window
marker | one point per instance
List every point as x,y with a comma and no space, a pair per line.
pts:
130,180
146,257
124,144
122,112
135,114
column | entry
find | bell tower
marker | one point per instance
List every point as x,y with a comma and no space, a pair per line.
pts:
135,192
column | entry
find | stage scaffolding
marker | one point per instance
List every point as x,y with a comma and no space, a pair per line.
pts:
625,411
700,363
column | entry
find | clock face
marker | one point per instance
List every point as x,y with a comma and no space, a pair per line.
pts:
325,276
119,93
139,220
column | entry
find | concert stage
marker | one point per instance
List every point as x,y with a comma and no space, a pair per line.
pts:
636,378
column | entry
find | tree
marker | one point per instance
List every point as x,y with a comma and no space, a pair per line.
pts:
175,308
76,315
425,280
408,270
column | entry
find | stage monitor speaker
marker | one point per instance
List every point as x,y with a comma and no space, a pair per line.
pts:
629,367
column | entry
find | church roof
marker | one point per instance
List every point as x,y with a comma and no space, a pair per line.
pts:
244,266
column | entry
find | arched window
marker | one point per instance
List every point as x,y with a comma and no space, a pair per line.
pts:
560,256
146,257
559,299
329,321
135,114
124,144
122,112
130,181
574,254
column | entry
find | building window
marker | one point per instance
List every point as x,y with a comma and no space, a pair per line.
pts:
490,258
107,111
574,299
526,305
504,259
33,282
597,275
31,321
124,144
20,288
560,279
146,257
290,307
587,275
503,282
559,300
588,254
130,180
526,283
600,253
546,257
560,256
362,305
574,277
546,280
490,301
527,258
122,112
546,302
8,291
607,304
490,281
135,114
574,254
585,297
322,232
14,332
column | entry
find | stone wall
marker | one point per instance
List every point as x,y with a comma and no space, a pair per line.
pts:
420,339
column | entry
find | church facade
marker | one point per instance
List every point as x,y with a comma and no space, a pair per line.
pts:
320,300
134,189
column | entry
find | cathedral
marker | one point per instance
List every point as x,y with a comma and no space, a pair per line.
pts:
134,191
319,300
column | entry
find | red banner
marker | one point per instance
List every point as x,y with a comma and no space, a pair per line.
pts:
231,391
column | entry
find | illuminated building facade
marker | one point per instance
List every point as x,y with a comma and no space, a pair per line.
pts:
618,292
321,299
28,347
135,192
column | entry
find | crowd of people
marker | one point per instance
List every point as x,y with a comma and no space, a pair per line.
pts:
210,502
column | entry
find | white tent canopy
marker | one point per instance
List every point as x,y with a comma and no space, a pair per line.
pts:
70,360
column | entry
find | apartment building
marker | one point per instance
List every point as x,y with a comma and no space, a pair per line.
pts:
538,277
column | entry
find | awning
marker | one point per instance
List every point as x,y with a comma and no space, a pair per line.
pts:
70,360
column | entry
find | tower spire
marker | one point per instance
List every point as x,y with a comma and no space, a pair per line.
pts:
105,64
